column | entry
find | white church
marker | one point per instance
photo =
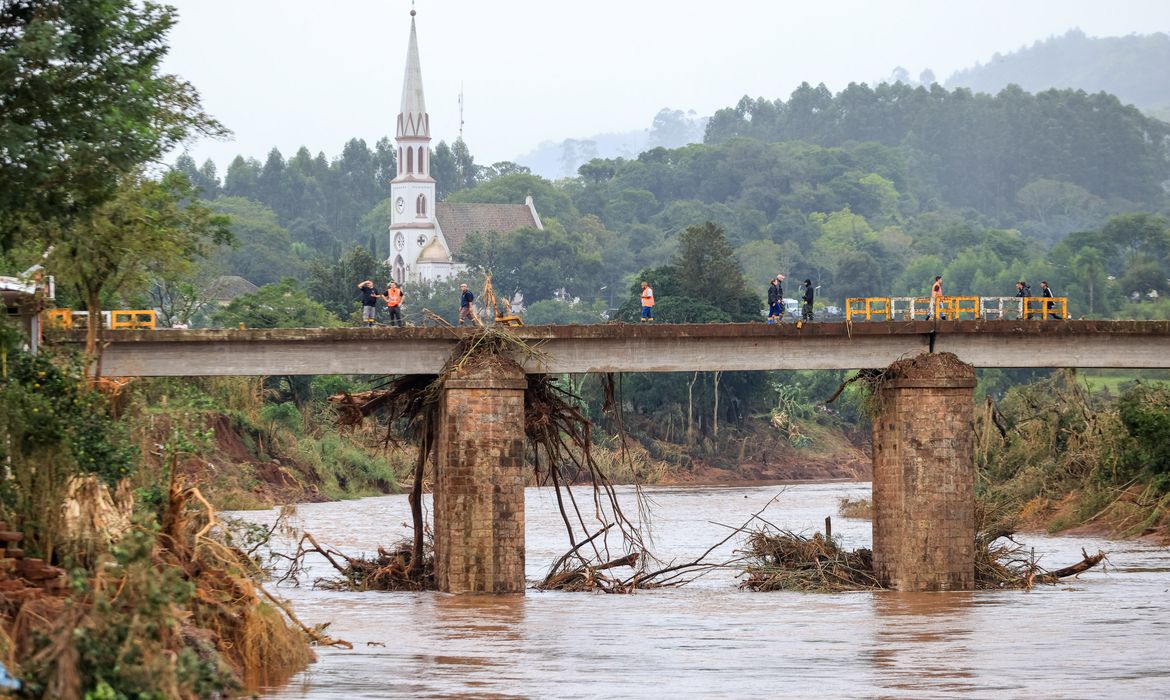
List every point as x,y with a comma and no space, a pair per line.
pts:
425,235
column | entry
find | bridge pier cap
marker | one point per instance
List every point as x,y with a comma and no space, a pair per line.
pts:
924,475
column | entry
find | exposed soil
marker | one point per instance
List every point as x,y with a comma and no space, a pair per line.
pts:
1121,519
234,474
795,467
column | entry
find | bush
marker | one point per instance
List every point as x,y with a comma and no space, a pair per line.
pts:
285,415
1145,413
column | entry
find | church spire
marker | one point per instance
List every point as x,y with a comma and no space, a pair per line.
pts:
412,116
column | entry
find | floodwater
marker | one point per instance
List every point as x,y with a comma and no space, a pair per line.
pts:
1103,634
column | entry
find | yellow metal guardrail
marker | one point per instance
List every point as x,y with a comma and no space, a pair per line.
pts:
955,308
136,320
122,319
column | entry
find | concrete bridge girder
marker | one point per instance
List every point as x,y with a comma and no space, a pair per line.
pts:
641,348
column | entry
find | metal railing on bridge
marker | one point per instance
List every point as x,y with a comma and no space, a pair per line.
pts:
121,319
955,308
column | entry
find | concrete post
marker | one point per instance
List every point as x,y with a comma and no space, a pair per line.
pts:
924,474
479,481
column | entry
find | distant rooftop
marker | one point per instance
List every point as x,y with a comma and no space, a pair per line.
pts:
458,220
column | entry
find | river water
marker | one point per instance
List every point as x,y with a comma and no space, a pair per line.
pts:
1103,634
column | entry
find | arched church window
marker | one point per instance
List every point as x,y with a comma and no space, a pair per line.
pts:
421,169
400,158
399,270
420,205
410,160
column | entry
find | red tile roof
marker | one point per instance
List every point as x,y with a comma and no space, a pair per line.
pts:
458,220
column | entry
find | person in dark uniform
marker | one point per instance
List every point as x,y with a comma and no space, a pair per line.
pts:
806,313
1046,292
1023,291
776,300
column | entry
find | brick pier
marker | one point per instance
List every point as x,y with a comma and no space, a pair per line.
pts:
923,476
479,481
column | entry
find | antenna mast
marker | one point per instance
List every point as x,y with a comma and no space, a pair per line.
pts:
460,111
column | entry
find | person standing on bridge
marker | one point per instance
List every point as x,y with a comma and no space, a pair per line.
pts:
1046,292
1023,291
936,297
806,314
647,302
394,297
466,310
370,298
776,300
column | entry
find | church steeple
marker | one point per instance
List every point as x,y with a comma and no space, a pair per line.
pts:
412,220
413,120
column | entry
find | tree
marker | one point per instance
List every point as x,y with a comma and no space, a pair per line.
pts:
83,105
151,228
281,305
706,268
262,250
537,263
334,284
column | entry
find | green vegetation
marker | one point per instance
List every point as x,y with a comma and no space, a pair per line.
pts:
1063,456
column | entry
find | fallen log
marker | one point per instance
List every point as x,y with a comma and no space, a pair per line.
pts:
1083,565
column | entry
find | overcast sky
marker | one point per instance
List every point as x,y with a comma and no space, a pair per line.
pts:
287,73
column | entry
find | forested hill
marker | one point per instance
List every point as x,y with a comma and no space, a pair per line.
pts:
975,150
1131,67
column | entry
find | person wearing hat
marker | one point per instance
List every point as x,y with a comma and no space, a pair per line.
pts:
370,298
776,300
806,313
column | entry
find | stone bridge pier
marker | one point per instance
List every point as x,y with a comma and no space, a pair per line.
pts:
924,475
479,481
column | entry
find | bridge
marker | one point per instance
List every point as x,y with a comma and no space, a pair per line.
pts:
923,442
620,347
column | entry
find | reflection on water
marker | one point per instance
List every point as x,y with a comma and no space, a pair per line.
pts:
1102,634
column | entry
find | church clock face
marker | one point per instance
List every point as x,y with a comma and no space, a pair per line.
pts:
422,240
400,204
399,239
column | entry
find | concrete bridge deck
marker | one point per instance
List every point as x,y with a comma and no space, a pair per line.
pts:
621,347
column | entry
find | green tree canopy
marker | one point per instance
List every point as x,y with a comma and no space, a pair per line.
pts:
281,305
151,229
83,104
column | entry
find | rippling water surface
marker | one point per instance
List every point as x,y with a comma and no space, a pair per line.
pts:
1104,634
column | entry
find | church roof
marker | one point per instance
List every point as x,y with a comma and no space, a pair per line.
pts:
412,116
458,220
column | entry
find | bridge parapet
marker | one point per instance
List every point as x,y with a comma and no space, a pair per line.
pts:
619,347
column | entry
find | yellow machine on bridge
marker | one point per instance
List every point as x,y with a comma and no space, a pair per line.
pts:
955,308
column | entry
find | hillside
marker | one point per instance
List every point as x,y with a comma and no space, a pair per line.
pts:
1130,67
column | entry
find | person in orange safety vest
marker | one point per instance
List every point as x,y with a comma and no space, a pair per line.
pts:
647,302
394,297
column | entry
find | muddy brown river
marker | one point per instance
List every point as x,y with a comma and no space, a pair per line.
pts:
1105,634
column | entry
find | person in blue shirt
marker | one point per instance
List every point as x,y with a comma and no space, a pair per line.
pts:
466,310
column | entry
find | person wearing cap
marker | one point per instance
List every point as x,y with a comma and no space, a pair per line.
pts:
370,298
806,313
776,300
647,302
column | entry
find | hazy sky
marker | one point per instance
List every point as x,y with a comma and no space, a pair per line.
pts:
287,73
